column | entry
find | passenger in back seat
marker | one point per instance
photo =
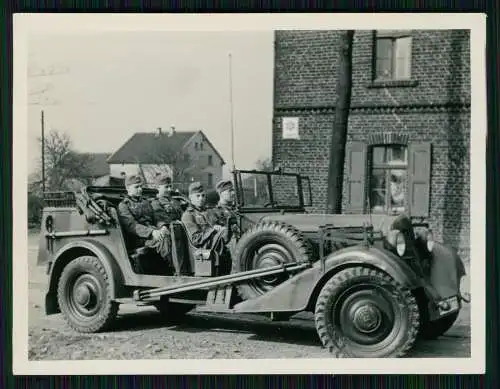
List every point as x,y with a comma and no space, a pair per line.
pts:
138,219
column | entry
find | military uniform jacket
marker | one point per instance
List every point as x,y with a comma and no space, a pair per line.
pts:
198,227
219,215
137,217
166,209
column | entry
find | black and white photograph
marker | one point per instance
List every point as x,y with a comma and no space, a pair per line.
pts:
249,193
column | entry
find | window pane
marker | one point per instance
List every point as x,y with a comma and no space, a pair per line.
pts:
255,189
285,190
379,155
397,155
378,190
398,190
384,59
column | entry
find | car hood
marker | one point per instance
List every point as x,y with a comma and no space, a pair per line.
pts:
308,222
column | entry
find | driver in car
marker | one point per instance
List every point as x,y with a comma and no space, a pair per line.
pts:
200,231
224,213
138,219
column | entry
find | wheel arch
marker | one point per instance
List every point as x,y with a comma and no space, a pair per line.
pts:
72,251
372,259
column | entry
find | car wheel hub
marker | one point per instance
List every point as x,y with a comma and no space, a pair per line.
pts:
85,296
367,318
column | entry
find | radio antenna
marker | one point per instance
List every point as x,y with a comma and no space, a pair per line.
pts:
231,108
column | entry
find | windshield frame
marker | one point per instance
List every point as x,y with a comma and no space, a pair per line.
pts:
240,200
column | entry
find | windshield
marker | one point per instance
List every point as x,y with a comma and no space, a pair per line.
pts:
259,189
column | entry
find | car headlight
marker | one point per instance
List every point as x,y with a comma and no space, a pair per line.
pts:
400,244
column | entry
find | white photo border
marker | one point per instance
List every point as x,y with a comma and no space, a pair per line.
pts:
82,23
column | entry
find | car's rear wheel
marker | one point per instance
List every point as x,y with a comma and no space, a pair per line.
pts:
84,295
364,313
265,245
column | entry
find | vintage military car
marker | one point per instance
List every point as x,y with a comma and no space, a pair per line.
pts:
375,283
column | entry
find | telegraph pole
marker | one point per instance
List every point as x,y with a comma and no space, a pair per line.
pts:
43,152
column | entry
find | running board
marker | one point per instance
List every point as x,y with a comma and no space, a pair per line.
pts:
152,294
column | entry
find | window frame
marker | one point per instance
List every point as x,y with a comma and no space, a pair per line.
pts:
386,167
210,160
393,35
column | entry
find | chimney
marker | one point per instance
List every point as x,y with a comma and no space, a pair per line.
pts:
158,131
172,129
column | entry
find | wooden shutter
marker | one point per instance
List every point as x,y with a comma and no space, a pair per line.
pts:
356,176
419,177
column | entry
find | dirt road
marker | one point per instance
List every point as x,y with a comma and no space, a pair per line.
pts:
140,334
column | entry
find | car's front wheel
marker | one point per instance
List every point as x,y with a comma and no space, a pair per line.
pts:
84,295
364,313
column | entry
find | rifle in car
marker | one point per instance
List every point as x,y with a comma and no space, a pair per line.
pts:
93,211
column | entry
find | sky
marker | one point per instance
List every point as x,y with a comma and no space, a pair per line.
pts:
109,85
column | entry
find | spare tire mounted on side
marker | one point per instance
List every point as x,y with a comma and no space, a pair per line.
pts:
267,244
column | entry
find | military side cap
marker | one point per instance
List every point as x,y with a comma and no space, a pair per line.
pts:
223,185
133,179
163,179
196,187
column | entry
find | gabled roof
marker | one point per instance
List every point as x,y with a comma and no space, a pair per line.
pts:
148,147
97,164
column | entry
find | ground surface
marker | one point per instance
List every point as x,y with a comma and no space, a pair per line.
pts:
142,335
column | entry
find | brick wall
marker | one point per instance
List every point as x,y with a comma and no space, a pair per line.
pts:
433,107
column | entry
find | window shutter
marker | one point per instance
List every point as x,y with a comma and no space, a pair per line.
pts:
419,177
356,176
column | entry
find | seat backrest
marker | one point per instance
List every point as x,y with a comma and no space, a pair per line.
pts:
182,246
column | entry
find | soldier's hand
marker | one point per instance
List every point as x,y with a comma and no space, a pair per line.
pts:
218,227
158,234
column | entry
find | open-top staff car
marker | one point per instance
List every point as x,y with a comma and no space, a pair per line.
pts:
375,283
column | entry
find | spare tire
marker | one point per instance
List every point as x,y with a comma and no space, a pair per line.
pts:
267,244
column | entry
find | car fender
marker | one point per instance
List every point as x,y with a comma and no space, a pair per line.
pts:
76,249
301,291
446,270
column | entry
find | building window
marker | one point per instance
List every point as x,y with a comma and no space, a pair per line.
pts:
392,57
210,180
392,177
210,161
196,146
201,146
388,179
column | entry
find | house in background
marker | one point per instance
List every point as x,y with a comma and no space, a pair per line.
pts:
185,156
409,125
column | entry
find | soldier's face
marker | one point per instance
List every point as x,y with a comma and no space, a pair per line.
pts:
134,190
163,190
227,196
197,199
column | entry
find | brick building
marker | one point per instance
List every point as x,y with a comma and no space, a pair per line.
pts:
409,126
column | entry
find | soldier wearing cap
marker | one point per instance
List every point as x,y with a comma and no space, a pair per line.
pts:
164,206
138,219
224,213
200,231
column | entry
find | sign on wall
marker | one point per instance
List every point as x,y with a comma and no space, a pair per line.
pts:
290,128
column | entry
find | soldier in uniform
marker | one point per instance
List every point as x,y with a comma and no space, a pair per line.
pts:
165,208
224,213
199,229
138,219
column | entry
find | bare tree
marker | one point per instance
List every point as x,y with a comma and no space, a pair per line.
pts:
339,128
64,167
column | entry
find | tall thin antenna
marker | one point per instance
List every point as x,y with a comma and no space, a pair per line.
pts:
42,119
231,108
